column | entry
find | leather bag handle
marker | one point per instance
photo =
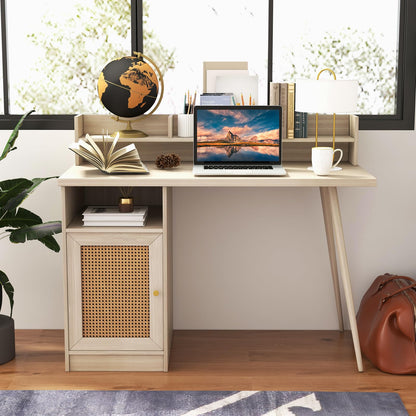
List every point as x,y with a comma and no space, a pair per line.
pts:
390,295
391,278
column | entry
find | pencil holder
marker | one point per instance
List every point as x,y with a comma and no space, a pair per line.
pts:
185,125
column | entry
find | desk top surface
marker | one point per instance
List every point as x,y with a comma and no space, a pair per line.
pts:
297,176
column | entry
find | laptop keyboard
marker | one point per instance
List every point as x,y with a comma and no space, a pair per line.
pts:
237,167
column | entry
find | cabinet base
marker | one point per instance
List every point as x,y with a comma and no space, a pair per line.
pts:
109,362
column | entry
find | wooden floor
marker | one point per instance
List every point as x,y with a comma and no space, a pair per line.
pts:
215,360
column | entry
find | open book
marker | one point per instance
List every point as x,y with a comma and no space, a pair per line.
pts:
109,160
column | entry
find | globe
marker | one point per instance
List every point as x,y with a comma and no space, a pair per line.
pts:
128,87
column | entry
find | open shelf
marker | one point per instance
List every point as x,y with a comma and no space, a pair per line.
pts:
163,137
153,224
148,139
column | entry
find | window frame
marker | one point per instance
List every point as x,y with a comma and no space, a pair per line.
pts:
402,120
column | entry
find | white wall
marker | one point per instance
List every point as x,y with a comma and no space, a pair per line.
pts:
244,258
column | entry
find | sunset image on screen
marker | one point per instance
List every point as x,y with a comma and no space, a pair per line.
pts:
238,135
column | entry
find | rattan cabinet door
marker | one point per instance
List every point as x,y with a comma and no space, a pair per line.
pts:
115,291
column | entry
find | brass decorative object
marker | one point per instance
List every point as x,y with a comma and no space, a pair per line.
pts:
126,202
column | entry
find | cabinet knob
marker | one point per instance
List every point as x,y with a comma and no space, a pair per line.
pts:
155,293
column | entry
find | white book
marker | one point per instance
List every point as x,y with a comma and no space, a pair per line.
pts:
124,219
112,213
114,223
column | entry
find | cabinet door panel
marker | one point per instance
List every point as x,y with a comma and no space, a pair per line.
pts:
115,292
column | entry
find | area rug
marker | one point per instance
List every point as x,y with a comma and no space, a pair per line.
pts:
196,403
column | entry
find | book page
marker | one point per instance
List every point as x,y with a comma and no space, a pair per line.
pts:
85,154
96,148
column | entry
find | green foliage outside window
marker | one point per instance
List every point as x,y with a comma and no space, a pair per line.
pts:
64,80
352,55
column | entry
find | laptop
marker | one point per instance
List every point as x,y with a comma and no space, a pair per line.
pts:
238,141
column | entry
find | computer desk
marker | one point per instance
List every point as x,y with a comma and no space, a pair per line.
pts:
87,177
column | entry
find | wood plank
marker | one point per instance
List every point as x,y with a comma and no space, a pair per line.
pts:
329,231
215,360
335,214
297,175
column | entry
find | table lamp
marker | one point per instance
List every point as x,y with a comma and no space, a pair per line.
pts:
326,97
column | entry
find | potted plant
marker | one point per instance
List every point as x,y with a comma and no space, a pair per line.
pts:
19,224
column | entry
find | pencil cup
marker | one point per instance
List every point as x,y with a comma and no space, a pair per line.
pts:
185,125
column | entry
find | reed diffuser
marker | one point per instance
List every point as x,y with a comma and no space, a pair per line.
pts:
126,200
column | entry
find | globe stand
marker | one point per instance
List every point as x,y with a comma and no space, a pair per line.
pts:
129,132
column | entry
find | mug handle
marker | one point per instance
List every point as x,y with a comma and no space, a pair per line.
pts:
340,156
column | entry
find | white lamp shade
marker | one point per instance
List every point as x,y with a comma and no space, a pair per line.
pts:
326,96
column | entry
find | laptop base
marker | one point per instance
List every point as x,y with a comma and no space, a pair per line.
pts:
200,170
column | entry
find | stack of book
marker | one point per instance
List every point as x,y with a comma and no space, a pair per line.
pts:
294,123
108,216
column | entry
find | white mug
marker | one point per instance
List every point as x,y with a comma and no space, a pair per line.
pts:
323,159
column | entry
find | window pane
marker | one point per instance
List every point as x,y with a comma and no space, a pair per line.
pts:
357,39
57,50
198,31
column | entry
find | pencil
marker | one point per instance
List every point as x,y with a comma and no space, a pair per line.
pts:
242,99
232,97
193,103
250,99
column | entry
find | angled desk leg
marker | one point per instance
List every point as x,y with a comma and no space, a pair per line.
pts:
332,253
330,197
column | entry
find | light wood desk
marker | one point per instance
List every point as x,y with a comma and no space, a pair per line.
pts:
81,186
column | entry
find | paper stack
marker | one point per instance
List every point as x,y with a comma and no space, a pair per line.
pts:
109,216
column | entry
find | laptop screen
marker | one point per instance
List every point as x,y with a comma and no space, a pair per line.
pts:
237,134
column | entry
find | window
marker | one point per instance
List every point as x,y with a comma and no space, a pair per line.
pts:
53,53
358,40
51,61
214,30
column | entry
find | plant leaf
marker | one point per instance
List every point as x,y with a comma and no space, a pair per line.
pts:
21,218
9,190
35,232
15,133
50,242
15,191
8,288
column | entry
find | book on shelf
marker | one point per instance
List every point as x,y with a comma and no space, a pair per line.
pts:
112,212
294,123
114,223
291,110
283,91
107,159
274,94
110,216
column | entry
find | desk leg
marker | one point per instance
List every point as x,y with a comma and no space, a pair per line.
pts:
332,253
335,214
